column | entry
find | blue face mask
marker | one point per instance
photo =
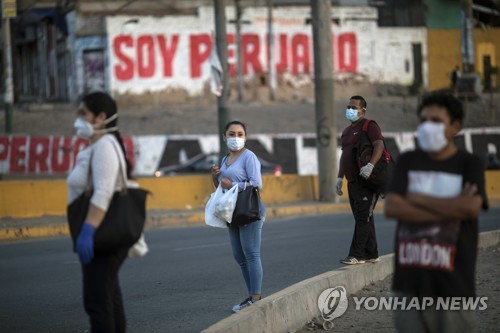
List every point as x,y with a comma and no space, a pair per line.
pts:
351,115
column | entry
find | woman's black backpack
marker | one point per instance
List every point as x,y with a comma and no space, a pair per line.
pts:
362,154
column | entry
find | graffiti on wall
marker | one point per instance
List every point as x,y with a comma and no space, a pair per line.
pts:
148,56
44,154
158,53
90,64
93,64
296,153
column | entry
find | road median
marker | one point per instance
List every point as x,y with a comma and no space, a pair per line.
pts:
290,309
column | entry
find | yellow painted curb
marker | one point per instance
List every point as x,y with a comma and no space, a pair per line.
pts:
33,232
31,199
169,219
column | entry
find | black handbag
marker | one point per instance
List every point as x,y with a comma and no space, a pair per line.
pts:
247,209
122,225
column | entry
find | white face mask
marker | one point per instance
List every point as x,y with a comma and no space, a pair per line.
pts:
86,130
351,115
235,144
430,136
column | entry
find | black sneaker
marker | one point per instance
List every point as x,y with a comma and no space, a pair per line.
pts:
352,261
373,260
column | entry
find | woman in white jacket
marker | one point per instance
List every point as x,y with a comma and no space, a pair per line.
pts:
99,165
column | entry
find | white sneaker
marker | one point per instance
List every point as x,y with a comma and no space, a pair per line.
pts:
246,303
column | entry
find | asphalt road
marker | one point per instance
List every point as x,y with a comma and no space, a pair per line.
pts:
187,282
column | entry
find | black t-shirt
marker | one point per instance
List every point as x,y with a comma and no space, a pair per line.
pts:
436,259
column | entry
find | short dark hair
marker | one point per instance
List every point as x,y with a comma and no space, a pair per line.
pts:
446,100
361,99
235,122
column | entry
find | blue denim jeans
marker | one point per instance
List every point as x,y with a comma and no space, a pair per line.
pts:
245,243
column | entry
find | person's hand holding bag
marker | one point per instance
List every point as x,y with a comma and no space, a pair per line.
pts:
215,171
366,171
85,243
226,183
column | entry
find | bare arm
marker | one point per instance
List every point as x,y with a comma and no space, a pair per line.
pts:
465,206
378,149
417,208
95,215
215,174
400,208
341,169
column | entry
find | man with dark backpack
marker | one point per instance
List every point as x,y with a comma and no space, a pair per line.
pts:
362,149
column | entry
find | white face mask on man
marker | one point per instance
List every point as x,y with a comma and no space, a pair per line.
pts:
430,136
235,144
86,130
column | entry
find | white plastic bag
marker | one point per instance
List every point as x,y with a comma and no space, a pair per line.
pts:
224,205
139,249
210,218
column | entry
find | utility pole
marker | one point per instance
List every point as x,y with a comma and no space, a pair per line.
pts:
469,83
221,42
239,51
270,58
326,133
467,37
8,11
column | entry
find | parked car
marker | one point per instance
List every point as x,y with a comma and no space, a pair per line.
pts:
201,164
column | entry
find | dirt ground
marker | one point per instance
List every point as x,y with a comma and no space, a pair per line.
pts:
380,321
292,112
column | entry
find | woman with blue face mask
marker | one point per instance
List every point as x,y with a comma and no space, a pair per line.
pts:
242,167
99,165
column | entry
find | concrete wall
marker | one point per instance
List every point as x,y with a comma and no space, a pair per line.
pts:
295,152
444,54
49,197
151,54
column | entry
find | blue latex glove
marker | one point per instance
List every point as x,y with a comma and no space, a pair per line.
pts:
85,243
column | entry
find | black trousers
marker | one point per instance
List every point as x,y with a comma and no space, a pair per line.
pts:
364,240
102,296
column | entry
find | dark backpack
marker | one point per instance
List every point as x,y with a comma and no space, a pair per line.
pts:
362,154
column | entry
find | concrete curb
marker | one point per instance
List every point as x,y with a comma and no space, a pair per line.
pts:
30,232
54,226
291,308
488,239
12,229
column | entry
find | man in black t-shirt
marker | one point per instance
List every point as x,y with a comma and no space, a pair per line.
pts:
436,193
362,198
